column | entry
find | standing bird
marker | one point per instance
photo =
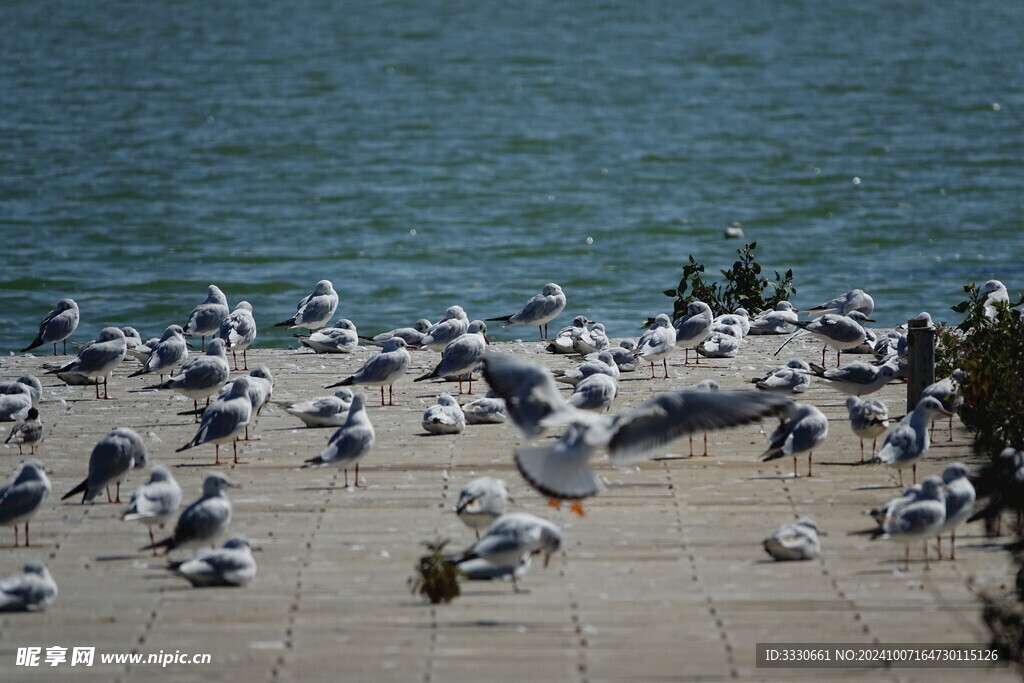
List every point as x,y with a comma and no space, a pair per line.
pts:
798,541
99,359
803,428
112,457
908,441
382,370
154,502
204,520
918,520
948,392
351,442
839,332
462,355
341,338
444,417
238,331
482,501
205,319
539,310
29,592
512,539
57,326
960,498
224,420
694,328
869,418
201,377
657,343
166,354
453,324
230,565
30,429
316,310
260,391
844,304
22,496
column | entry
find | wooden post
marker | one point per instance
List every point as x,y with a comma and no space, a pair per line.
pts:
920,359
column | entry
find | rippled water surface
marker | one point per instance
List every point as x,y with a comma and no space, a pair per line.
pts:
421,154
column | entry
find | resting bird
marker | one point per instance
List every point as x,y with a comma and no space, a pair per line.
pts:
798,541
844,304
31,591
342,337
57,326
444,417
453,324
413,336
323,411
230,565
539,310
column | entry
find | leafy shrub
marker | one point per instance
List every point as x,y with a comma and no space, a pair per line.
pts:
744,286
436,577
991,352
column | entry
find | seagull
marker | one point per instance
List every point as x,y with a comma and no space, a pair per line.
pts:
201,377
693,328
778,321
205,319
856,379
238,331
591,341
1001,481
444,417
462,355
798,541
316,310
57,326
31,591
803,428
488,409
565,341
531,396
917,520
621,355
791,378
837,331
15,404
230,565
539,310
994,292
154,502
844,304
323,411
260,391
204,520
351,442
739,318
657,343
99,359
595,392
481,502
513,538
960,498
341,338
413,336
22,496
224,419
908,441
453,324
165,354
35,387
948,392
382,370
604,364
30,429
869,418
719,344
112,457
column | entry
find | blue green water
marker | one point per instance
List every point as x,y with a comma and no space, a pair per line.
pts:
421,154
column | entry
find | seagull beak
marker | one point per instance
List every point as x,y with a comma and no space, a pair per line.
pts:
870,320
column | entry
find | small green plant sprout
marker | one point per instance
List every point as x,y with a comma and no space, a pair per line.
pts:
436,577
744,286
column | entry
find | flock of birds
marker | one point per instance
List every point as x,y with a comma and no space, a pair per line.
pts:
524,393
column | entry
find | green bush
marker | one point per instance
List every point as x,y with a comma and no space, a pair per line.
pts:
991,352
436,577
744,287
